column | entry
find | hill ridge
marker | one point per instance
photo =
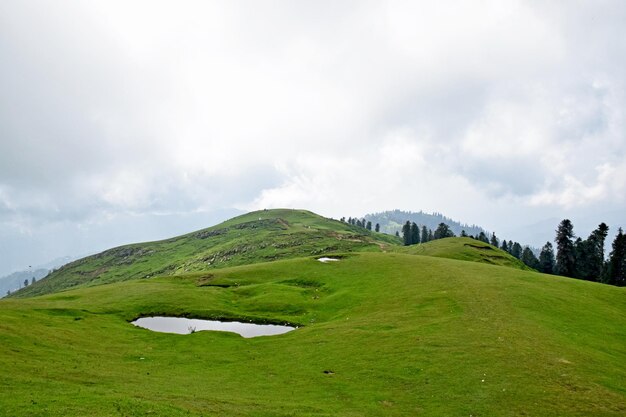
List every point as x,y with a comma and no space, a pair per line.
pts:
258,236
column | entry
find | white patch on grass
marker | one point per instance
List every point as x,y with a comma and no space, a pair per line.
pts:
326,259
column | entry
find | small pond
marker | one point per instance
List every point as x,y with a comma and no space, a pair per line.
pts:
181,325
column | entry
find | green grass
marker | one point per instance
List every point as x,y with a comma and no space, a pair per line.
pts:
397,334
465,249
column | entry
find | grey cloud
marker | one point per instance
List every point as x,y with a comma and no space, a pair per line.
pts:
501,177
115,109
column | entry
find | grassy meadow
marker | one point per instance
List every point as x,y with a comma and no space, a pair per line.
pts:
381,334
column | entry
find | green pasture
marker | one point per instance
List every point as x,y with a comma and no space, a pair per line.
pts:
381,333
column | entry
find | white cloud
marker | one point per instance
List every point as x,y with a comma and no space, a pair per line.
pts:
468,108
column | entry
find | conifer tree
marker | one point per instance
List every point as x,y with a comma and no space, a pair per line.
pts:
443,231
529,258
516,250
546,259
430,235
415,234
494,240
377,228
617,261
368,226
565,255
424,235
580,258
463,233
504,246
406,233
596,246
483,237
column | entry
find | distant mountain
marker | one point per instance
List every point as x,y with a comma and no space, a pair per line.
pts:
392,221
15,280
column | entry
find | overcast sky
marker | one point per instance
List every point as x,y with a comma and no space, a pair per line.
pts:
122,121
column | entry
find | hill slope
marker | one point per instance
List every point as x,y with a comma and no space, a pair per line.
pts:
254,237
466,249
384,334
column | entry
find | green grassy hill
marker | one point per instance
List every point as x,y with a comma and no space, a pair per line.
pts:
466,249
405,332
254,237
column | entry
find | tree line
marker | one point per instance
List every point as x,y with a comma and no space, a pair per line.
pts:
585,259
366,224
412,234
574,257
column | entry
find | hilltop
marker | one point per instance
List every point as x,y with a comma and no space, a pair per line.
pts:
259,236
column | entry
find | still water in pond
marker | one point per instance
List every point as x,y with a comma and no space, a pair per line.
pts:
181,325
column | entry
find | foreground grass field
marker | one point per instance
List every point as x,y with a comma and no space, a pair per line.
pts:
382,334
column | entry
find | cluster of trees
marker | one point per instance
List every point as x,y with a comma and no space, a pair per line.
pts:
412,234
574,257
393,220
366,224
585,259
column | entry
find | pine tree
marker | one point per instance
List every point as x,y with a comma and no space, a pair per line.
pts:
581,258
424,235
415,234
565,255
443,231
529,258
494,240
596,246
406,233
377,228
368,226
483,237
617,261
430,235
504,246
516,250
463,233
546,259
